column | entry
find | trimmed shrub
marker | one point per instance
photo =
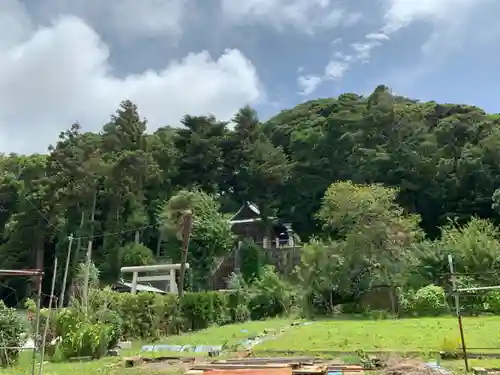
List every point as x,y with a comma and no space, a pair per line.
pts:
429,301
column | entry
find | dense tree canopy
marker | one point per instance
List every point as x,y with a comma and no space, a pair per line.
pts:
440,161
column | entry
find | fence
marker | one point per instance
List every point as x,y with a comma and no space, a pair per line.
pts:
31,277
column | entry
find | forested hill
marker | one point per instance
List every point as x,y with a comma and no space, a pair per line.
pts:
444,158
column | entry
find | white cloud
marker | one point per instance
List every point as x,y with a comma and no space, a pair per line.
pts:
376,36
307,16
401,13
362,51
447,18
125,19
53,76
336,69
308,84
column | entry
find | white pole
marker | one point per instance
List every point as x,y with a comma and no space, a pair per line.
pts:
44,338
134,282
65,277
472,289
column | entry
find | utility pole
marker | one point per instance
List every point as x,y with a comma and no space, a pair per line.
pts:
65,277
187,224
89,259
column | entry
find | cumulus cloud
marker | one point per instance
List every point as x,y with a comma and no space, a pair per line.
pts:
307,16
401,13
55,75
124,19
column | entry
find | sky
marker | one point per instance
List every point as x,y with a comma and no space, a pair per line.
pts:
66,61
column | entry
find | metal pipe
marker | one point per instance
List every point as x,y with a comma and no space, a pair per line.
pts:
457,310
156,267
37,323
472,289
4,272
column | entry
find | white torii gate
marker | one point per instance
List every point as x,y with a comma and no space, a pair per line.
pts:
170,277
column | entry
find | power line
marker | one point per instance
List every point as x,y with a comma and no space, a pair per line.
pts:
42,215
116,233
106,234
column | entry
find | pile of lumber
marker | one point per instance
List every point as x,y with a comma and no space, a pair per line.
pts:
274,366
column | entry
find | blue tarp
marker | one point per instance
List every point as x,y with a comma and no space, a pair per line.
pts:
435,366
160,347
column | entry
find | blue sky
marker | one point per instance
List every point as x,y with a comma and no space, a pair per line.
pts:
74,60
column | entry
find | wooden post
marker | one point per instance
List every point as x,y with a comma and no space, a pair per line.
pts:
172,284
134,282
265,242
186,235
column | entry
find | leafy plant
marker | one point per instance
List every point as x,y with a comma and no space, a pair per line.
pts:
135,254
251,259
430,301
270,295
12,335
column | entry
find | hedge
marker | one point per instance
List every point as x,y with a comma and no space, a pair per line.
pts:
150,316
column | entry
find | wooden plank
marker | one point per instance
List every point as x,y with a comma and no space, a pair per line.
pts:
229,366
270,371
345,367
273,359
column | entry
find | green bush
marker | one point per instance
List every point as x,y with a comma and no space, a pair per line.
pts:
238,299
251,260
134,254
149,316
271,296
84,332
199,310
492,301
12,335
86,339
113,316
429,301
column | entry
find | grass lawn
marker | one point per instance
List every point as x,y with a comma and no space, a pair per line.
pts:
424,334
232,334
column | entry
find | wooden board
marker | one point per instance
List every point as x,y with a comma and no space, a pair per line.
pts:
261,371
